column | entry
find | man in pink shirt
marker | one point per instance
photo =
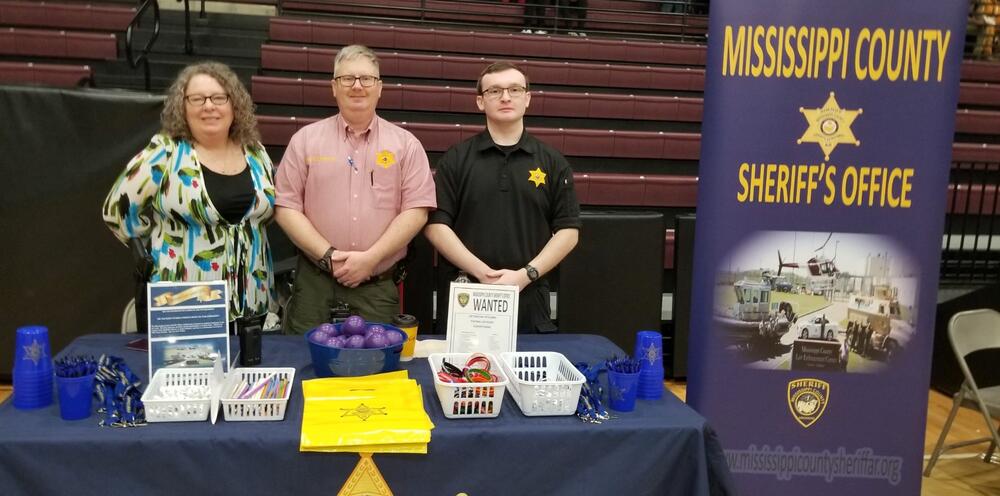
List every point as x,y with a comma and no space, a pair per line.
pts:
352,191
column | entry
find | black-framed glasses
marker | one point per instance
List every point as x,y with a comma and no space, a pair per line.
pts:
347,81
494,93
199,100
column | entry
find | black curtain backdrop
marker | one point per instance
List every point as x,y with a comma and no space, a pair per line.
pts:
60,150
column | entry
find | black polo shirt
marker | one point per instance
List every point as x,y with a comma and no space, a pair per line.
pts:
505,203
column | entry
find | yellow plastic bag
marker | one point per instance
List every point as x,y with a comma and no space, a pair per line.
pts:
376,414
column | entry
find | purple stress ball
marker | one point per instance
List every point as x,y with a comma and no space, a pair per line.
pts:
328,328
376,340
393,337
337,342
355,341
374,329
354,325
318,336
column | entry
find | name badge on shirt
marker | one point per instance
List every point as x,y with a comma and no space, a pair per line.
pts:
316,159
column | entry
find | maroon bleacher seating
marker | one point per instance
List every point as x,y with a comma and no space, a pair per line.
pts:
66,76
436,137
510,14
66,15
977,121
584,142
668,249
981,71
639,190
288,91
984,94
62,44
491,44
311,59
453,67
976,199
974,153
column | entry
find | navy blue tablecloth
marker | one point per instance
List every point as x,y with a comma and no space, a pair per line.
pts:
662,448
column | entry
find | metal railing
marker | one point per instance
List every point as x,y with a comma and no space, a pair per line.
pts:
143,57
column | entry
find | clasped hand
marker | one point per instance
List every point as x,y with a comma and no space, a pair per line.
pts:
351,268
509,277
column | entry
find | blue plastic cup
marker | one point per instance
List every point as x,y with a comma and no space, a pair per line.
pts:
76,396
622,389
649,349
31,350
32,393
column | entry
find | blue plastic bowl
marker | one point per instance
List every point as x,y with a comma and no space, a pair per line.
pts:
352,362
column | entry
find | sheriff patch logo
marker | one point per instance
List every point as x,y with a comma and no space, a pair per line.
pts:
807,399
463,299
829,126
385,158
537,176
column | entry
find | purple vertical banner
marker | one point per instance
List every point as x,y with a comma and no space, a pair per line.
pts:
824,167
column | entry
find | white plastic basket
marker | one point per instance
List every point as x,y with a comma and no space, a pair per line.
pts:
542,383
160,409
237,410
468,399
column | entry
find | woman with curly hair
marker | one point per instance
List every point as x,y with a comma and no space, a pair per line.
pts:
200,192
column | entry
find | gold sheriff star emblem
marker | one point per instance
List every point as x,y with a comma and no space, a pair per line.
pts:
363,411
537,177
385,158
829,126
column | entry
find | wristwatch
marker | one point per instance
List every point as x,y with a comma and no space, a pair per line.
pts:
532,272
324,262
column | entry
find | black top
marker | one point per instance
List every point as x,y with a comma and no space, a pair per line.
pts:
505,204
231,195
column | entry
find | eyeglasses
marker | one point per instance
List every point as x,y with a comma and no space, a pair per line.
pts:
348,81
199,100
494,93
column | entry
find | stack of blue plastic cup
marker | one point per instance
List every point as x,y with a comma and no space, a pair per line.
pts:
32,368
649,352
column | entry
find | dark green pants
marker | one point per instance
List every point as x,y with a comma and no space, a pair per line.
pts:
316,291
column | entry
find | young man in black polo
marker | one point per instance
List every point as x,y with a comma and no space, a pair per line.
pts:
507,212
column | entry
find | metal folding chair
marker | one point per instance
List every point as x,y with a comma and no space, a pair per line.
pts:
128,318
972,331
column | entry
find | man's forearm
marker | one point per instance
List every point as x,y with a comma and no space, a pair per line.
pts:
447,243
401,230
301,231
560,245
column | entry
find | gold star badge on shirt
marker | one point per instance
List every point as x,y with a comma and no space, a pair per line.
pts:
385,158
537,177
829,126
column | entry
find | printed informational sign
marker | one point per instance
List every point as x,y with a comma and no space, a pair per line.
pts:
482,318
825,157
188,324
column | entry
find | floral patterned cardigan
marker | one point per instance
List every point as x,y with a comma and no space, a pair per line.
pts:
161,197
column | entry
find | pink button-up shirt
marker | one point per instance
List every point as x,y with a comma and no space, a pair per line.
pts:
352,187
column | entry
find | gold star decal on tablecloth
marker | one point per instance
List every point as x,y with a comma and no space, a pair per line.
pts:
537,177
385,158
363,411
829,126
